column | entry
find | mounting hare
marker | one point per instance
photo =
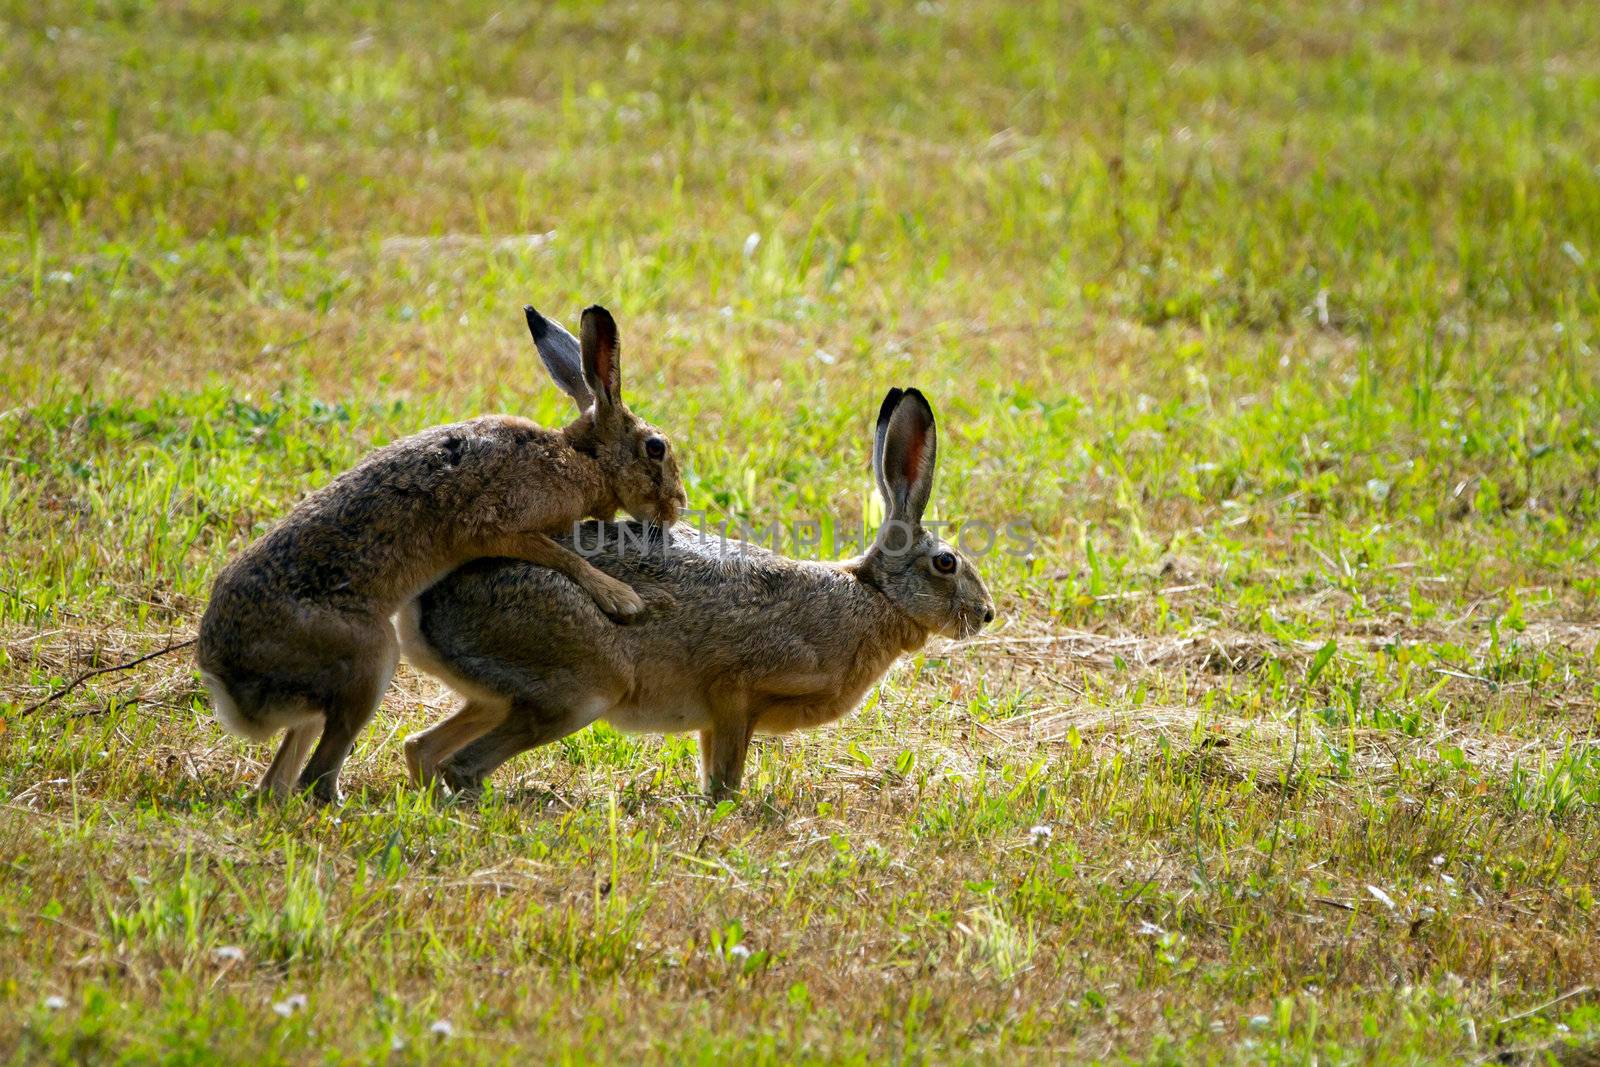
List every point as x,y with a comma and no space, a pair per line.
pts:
298,635
738,640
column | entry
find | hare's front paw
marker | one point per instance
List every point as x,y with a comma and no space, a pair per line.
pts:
616,598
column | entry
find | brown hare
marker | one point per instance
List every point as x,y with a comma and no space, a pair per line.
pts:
737,640
299,633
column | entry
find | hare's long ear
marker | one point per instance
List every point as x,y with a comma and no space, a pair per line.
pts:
602,356
891,400
562,358
910,448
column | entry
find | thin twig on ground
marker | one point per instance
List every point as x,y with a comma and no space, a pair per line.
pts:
98,671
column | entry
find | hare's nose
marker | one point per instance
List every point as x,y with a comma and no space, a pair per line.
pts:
988,615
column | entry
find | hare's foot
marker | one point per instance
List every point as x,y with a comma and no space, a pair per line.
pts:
616,599
425,751
463,785
326,792
412,746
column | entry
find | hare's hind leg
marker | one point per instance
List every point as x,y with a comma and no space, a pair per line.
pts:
614,597
347,710
290,758
526,725
426,750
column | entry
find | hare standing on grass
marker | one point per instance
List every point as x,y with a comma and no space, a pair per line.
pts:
737,640
299,633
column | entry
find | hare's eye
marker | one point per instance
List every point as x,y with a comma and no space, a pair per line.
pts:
655,447
944,562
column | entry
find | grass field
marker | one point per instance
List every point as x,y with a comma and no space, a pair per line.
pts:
1277,322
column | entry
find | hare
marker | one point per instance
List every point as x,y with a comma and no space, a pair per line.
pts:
738,640
299,636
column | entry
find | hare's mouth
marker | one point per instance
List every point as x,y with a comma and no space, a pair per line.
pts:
967,625
660,513
666,511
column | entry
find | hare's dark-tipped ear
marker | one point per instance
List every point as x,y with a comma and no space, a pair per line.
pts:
602,354
910,449
562,358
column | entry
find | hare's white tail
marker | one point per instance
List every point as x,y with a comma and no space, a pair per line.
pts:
236,722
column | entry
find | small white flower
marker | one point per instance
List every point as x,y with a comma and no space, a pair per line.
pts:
1259,1022
824,357
1041,834
751,243
397,1043
229,953
55,1003
738,952
442,1029
289,1005
1438,861
1149,929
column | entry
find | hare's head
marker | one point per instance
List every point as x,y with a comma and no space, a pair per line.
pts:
927,579
635,458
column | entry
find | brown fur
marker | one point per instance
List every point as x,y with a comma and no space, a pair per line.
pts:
299,625
736,640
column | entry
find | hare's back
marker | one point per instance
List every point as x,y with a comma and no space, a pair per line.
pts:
721,611
691,582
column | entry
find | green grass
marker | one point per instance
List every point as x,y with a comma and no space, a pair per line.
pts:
1276,322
